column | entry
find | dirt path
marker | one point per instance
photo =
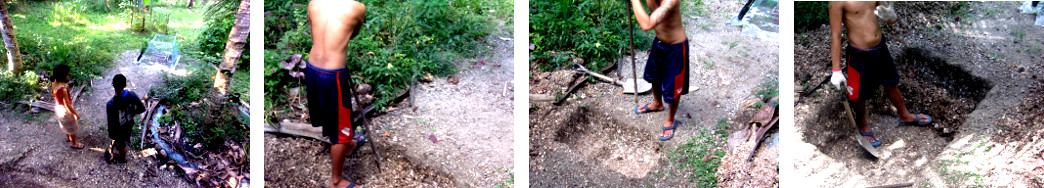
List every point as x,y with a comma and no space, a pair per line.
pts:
595,139
33,152
935,54
471,121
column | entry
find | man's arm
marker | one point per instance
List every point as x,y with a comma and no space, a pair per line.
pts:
648,22
359,13
136,106
836,12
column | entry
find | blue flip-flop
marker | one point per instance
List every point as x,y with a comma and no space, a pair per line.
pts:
917,120
359,144
645,108
351,185
665,129
872,135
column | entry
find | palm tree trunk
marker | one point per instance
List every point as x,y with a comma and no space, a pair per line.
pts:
14,56
237,39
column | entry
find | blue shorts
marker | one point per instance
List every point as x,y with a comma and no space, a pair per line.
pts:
668,69
869,69
329,102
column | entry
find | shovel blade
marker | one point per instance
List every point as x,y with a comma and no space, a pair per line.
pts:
643,86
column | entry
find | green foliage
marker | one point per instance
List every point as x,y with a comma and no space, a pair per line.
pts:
220,19
17,88
702,155
593,30
769,88
183,90
208,127
810,14
403,38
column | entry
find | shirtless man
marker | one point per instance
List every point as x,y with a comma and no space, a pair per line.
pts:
869,63
334,23
667,67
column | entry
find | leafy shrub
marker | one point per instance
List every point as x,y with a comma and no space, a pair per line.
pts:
17,88
810,14
183,90
402,38
593,30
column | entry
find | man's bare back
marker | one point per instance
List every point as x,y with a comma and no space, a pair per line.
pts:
334,23
666,19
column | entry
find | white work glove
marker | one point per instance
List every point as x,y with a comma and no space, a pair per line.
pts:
886,14
837,77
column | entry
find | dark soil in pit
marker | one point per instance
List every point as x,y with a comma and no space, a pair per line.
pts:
969,73
932,86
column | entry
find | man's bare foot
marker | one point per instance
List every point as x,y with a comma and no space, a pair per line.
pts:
873,136
76,145
917,119
648,107
667,133
340,184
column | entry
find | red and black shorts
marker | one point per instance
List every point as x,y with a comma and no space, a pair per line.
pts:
329,102
869,69
668,69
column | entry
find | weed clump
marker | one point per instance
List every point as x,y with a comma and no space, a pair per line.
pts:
702,155
593,30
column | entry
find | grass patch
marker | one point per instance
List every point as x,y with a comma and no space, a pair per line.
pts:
702,155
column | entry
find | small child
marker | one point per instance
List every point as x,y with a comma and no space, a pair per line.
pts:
121,110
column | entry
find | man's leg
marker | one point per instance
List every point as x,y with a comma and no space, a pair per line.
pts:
670,116
900,105
859,106
337,154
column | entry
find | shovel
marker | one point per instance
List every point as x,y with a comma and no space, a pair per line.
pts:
851,119
643,86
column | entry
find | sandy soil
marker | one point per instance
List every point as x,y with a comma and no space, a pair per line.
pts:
34,152
594,139
470,120
969,73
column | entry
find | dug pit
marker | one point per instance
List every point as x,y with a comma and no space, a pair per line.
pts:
933,86
601,140
929,84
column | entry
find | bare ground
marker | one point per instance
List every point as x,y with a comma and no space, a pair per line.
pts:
970,73
34,153
471,121
594,139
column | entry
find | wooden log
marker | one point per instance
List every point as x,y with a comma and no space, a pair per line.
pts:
297,129
39,104
895,185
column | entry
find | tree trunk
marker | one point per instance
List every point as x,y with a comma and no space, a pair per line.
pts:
237,39
14,56
191,2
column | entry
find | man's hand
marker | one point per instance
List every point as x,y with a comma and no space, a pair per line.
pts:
886,14
837,77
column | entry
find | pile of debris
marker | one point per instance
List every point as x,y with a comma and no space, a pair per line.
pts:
227,168
745,165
